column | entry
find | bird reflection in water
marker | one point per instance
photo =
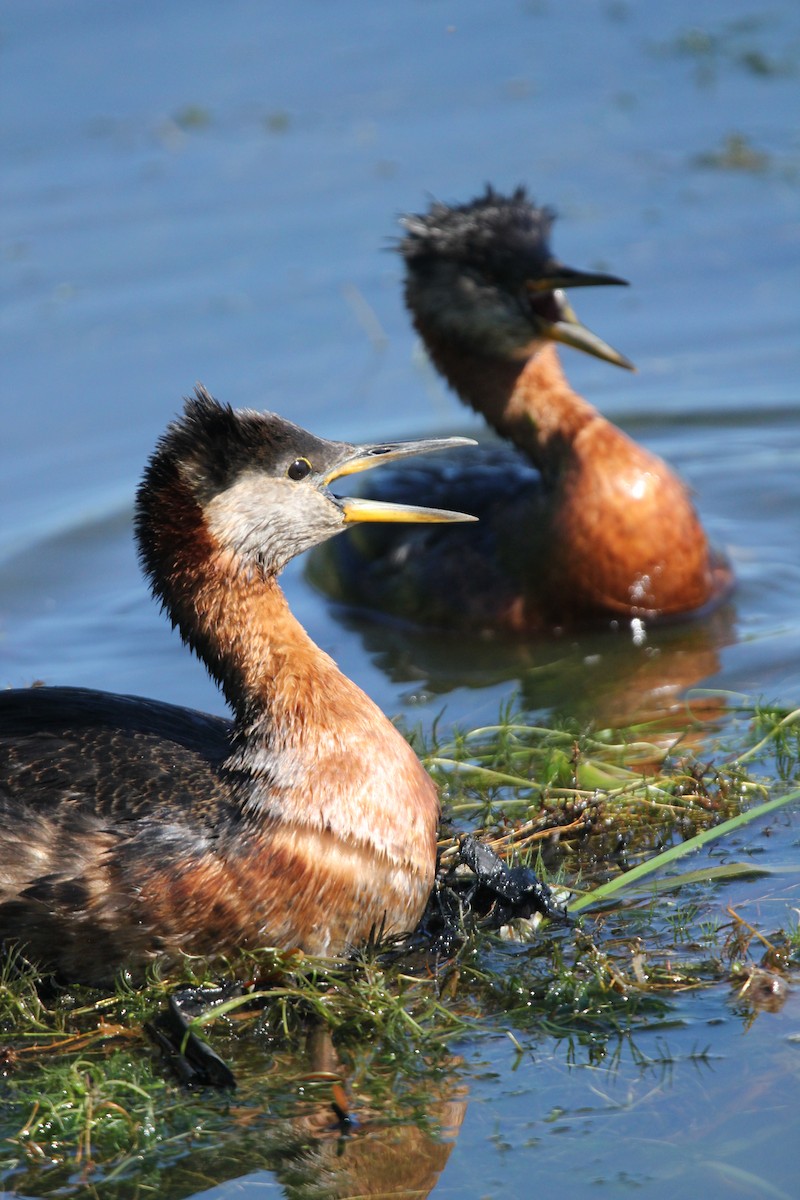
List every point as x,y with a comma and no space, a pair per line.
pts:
598,677
332,1128
376,1156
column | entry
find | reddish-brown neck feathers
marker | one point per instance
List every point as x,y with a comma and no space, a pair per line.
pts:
622,535
328,756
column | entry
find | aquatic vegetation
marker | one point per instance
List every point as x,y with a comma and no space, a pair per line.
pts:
736,154
741,45
609,816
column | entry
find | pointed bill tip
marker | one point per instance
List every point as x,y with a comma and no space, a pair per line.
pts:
573,333
356,509
364,458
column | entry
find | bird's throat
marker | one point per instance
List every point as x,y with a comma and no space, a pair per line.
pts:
529,402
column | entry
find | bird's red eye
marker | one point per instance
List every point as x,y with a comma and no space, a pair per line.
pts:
299,469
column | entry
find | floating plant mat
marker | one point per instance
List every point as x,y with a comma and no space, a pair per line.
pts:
650,836
603,801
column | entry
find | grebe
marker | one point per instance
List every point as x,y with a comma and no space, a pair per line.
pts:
133,829
583,525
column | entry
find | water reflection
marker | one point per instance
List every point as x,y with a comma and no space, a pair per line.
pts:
613,677
282,1132
333,1155
311,1160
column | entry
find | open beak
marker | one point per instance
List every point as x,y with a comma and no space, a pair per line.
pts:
364,458
556,319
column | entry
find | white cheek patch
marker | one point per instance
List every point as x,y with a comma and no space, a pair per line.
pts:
268,520
240,517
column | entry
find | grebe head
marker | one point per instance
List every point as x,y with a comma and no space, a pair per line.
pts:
482,275
257,486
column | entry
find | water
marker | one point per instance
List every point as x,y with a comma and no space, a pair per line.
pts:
206,193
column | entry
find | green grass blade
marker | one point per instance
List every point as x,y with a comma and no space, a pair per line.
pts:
623,882
722,874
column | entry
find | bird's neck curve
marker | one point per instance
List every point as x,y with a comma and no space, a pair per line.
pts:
314,751
529,401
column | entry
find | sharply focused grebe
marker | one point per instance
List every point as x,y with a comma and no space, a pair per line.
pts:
132,828
584,524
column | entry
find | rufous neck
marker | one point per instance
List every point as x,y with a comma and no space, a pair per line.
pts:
240,624
529,402
311,749
318,752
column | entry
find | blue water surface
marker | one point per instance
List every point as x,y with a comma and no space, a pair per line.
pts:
199,191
